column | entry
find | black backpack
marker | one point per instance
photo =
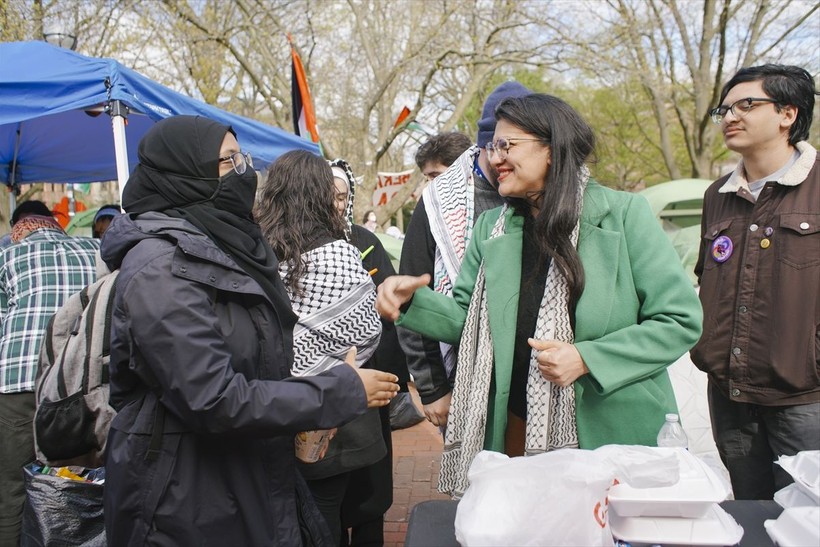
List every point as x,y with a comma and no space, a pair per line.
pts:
71,389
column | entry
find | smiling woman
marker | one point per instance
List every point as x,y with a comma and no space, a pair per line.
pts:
598,299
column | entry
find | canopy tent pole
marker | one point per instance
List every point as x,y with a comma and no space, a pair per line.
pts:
119,117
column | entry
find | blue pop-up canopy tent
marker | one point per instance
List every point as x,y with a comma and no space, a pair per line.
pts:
68,118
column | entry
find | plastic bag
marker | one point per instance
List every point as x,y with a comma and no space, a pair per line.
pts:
61,511
556,498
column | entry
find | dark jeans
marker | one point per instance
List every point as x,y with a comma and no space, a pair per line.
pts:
16,450
751,437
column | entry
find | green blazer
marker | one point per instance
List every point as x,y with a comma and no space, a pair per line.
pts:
638,314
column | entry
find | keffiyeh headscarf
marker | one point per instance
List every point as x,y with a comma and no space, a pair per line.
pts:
28,224
341,170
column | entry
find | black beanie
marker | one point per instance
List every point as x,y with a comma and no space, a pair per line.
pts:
486,125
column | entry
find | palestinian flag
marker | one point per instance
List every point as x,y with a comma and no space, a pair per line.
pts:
304,118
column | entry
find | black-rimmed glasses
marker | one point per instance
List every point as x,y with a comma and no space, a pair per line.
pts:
501,146
737,108
240,161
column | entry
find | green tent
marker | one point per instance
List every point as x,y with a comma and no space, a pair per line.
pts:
81,223
393,248
678,205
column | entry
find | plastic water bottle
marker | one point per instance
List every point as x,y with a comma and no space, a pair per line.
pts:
672,433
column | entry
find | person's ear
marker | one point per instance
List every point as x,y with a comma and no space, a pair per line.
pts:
788,116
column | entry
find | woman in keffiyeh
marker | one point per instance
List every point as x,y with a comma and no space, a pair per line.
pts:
570,304
333,296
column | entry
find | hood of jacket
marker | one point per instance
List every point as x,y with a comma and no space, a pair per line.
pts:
126,231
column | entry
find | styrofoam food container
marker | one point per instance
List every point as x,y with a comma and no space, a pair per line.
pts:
716,527
691,497
795,527
804,467
793,496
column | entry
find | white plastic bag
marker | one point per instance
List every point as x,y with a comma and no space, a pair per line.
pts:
556,498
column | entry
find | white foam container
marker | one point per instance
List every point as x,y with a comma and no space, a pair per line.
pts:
716,527
793,496
795,527
698,489
805,469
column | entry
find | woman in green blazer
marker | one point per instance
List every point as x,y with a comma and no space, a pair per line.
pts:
570,304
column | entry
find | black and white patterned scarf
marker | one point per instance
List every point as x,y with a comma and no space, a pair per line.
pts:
336,310
550,409
449,202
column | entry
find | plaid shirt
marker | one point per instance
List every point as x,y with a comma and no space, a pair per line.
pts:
37,276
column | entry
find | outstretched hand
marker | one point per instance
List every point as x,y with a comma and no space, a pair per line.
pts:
380,387
395,291
558,362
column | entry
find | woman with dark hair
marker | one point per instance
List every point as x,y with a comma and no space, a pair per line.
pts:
201,451
570,304
370,494
333,297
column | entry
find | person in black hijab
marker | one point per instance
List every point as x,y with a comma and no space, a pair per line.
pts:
201,451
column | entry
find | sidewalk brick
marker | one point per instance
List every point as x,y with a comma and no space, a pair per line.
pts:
416,464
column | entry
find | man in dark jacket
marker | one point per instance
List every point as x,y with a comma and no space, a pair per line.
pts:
759,269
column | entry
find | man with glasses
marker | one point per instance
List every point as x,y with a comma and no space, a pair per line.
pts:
759,269
435,242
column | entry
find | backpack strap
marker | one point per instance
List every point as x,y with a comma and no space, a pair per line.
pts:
62,389
90,322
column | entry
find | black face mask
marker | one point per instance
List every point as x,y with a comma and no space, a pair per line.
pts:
236,193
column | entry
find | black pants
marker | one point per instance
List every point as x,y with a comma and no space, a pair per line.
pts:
16,451
328,494
751,437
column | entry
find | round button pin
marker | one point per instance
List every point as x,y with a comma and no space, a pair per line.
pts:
768,231
753,227
764,243
804,225
722,249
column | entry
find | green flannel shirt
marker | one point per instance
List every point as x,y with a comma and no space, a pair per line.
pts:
37,276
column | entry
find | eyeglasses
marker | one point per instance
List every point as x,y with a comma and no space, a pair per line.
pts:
738,108
501,146
240,161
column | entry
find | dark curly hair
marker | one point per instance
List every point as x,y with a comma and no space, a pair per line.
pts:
296,208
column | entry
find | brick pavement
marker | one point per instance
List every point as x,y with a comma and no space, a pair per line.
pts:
416,461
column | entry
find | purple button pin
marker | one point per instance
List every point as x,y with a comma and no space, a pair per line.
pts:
722,249
768,231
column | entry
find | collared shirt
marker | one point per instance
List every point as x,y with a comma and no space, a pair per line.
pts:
37,276
755,186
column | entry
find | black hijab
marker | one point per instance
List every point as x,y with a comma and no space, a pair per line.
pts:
178,175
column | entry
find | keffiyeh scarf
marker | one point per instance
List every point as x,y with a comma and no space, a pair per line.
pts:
336,311
449,202
28,224
550,409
